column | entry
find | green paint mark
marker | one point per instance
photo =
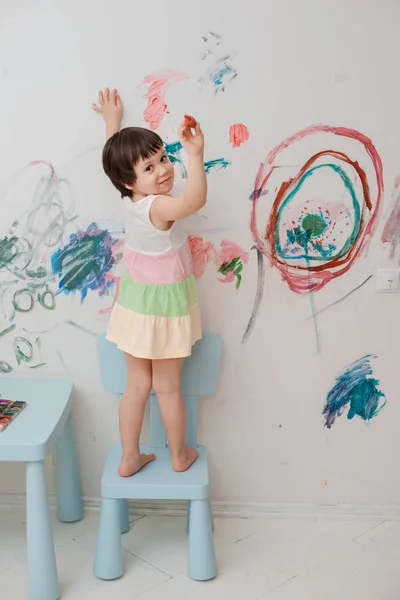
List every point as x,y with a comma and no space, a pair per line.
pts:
8,330
47,300
235,266
314,225
8,251
40,273
22,354
23,300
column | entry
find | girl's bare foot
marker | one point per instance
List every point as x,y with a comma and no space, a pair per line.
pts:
129,467
185,460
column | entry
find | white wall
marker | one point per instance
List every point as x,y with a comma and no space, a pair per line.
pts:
298,63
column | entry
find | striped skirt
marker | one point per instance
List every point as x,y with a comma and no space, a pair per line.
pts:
156,314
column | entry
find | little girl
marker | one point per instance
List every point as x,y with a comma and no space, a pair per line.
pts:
156,318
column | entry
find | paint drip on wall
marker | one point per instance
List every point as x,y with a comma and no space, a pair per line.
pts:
238,134
158,84
356,390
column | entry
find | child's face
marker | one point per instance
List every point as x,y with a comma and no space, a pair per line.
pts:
155,175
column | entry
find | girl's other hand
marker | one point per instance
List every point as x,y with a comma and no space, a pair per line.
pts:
110,106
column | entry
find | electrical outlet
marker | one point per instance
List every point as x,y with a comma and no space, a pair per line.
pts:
388,280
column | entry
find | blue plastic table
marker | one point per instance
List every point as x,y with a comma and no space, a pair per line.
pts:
45,423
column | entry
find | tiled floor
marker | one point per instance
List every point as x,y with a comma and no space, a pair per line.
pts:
258,559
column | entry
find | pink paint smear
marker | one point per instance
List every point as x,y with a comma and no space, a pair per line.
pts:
238,134
156,94
205,252
35,163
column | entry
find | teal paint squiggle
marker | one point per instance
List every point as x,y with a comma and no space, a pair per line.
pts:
216,165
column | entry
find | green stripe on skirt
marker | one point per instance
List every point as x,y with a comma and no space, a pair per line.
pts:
159,300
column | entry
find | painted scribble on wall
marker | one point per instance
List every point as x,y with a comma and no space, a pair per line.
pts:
26,277
220,69
308,242
39,260
356,390
311,239
25,251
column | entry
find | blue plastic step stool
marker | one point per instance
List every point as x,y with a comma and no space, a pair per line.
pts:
157,480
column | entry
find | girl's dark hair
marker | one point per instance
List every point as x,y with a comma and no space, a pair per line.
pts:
124,150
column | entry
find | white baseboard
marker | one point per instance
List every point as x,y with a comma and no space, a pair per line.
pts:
241,510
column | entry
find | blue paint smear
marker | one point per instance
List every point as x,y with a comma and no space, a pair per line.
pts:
83,262
221,73
216,165
356,389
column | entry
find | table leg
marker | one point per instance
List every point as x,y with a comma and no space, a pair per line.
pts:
42,568
69,491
